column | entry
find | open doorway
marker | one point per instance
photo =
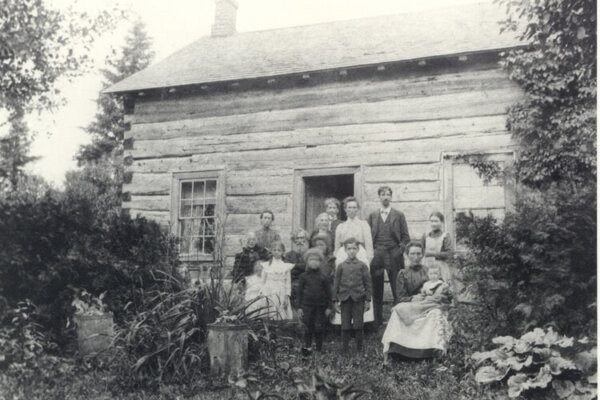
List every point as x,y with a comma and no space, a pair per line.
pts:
318,188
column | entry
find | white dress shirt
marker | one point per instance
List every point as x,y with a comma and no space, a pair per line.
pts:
385,212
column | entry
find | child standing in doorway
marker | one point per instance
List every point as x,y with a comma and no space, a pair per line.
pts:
314,297
352,289
277,283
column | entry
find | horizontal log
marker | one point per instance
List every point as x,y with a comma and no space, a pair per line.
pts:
330,135
149,203
415,151
402,173
259,184
456,105
242,223
220,104
149,184
255,204
403,192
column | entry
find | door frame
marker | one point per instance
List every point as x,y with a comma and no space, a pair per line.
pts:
299,202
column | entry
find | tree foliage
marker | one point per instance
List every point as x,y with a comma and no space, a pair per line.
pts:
538,266
14,155
108,128
60,242
39,45
555,125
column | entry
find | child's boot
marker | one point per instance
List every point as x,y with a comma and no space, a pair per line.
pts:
358,334
307,339
319,341
345,341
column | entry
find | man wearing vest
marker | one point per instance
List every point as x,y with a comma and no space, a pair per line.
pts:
390,236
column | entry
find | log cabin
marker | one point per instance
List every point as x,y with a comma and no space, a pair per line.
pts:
281,119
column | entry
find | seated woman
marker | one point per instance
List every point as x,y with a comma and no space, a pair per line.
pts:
243,265
418,326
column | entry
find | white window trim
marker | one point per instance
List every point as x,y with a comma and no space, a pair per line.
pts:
177,178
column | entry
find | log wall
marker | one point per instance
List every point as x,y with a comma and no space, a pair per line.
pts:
396,130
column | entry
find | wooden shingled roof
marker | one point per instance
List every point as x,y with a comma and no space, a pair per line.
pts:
333,45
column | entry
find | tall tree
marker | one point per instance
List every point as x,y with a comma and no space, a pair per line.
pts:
38,46
108,128
555,125
14,155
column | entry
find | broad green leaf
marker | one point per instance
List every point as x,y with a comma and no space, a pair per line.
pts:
563,388
489,374
507,342
480,356
557,365
542,379
516,384
521,346
535,337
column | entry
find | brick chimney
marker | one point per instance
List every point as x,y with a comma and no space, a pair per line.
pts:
225,15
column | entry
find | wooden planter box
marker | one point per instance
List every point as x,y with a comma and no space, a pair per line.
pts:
228,348
94,333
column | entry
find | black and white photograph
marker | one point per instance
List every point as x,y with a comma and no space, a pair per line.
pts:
298,199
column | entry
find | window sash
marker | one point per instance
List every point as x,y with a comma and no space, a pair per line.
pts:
196,215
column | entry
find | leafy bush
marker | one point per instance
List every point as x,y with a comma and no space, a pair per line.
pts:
541,363
53,244
22,339
538,266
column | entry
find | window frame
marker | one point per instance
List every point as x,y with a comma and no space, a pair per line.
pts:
448,161
176,180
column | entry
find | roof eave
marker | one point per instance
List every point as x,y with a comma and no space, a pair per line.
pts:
109,90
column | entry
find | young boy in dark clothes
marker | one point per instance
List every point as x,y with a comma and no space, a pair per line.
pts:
296,257
243,265
352,288
327,267
314,295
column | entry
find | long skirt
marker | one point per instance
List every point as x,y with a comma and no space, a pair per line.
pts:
340,257
418,336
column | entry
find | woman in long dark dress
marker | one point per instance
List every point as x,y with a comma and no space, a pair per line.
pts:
427,330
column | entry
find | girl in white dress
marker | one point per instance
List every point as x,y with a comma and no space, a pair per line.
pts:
361,231
253,293
277,284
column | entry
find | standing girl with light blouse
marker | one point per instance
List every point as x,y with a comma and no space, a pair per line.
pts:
357,228
277,283
437,245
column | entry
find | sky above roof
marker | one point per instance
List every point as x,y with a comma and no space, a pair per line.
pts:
172,25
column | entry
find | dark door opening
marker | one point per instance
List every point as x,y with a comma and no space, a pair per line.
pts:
318,188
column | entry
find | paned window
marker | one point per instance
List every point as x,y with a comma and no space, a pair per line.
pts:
195,206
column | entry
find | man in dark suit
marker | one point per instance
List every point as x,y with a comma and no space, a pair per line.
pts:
390,236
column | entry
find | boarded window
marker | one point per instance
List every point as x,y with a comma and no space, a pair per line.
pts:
467,193
195,206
